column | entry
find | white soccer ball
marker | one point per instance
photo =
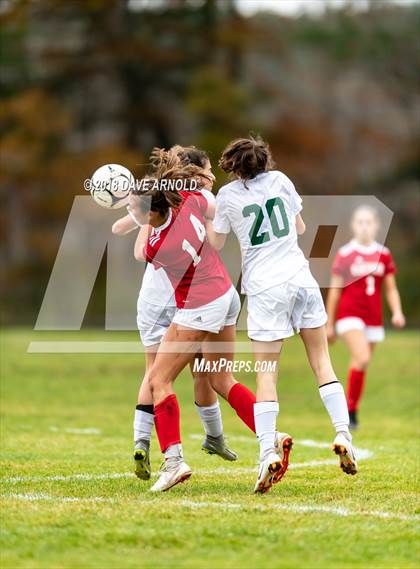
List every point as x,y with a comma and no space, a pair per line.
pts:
110,186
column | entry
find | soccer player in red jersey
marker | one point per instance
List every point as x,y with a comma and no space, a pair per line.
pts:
155,309
208,306
361,269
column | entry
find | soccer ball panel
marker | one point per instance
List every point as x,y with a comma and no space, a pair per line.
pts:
111,185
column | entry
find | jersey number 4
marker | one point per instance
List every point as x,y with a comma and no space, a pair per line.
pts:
201,234
255,236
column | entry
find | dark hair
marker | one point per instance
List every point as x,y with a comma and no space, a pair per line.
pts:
168,168
157,200
193,155
160,157
246,158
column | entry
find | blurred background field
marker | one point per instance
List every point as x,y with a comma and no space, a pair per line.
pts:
70,499
334,91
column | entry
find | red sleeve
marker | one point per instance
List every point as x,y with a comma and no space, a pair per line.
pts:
390,267
149,252
338,265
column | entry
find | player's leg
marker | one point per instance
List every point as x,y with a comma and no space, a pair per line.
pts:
240,398
144,421
332,394
268,324
360,354
221,316
208,408
274,446
175,352
152,321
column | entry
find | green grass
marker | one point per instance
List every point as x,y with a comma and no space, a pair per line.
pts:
214,520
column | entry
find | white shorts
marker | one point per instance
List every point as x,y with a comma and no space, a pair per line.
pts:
214,316
153,321
373,333
281,311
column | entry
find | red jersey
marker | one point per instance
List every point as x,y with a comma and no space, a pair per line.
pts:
180,247
363,269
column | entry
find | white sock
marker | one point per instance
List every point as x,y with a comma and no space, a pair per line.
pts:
332,395
211,417
143,425
174,452
265,415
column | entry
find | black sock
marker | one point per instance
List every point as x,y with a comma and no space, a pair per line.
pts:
145,408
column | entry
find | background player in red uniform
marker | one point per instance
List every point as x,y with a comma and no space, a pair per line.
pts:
354,305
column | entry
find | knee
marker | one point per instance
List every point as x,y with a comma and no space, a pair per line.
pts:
222,383
153,381
201,378
362,360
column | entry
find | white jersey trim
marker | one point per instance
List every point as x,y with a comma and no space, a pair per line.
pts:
354,246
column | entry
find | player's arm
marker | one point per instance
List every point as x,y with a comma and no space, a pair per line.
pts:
295,203
300,225
216,240
211,204
140,244
333,297
219,226
125,225
394,301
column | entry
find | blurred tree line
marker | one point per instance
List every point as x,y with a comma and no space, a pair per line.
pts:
86,83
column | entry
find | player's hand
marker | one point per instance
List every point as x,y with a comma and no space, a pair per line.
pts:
331,333
398,320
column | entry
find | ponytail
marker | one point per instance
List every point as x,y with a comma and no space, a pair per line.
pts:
246,158
177,163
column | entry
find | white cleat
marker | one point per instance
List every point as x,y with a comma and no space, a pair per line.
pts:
344,449
269,467
283,444
171,475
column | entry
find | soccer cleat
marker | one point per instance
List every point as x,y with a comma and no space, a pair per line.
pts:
172,473
354,422
269,467
217,445
283,444
142,459
344,449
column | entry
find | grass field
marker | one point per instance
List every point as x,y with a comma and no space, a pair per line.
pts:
70,500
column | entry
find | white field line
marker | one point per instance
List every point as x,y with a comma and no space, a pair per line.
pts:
362,453
248,439
66,478
302,508
76,431
40,497
116,475
294,508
